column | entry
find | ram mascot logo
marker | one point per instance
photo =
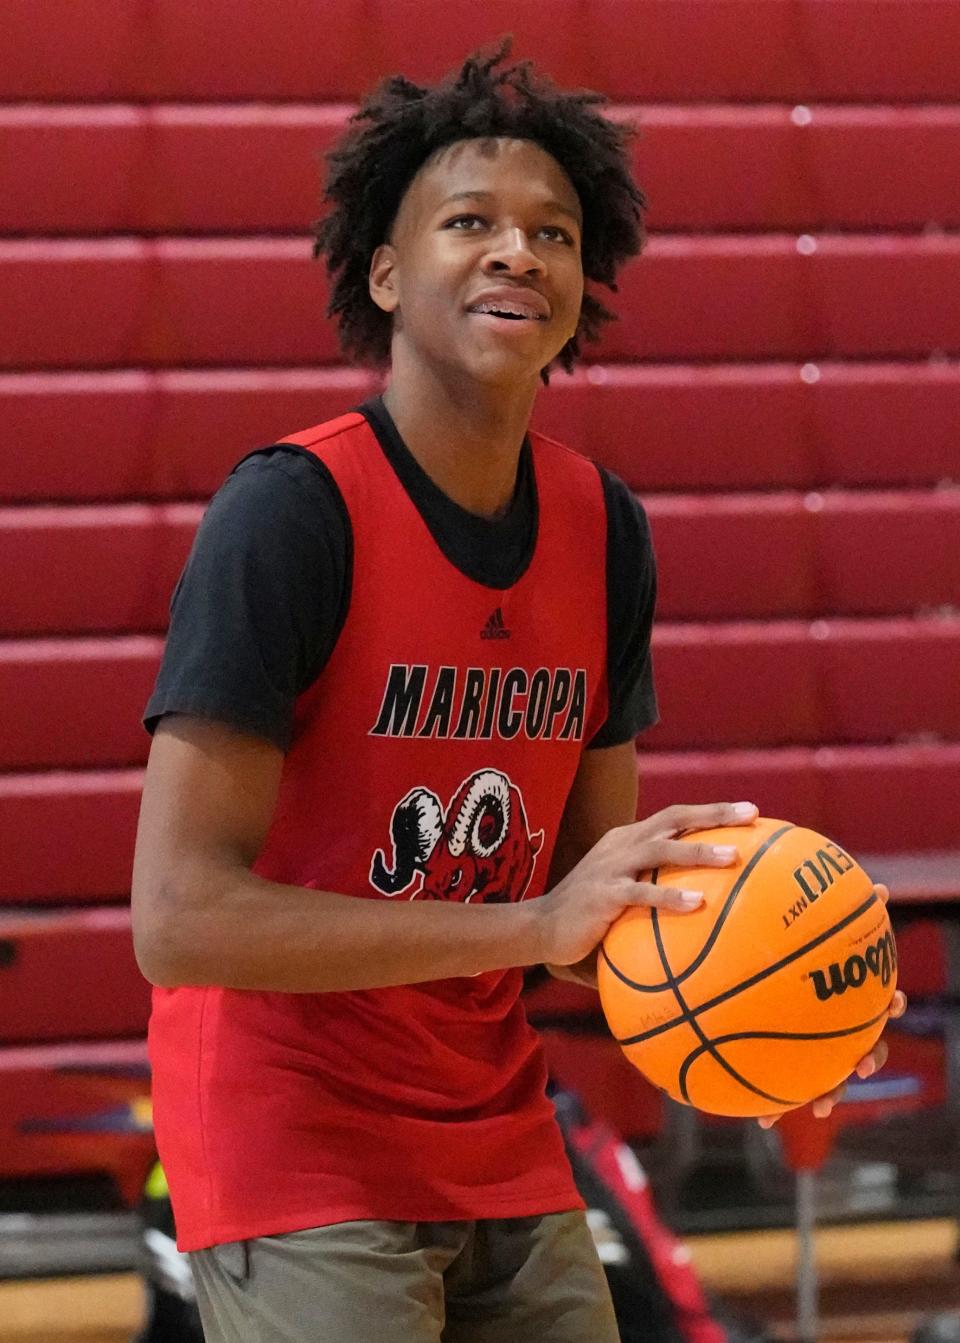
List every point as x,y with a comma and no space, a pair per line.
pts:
481,851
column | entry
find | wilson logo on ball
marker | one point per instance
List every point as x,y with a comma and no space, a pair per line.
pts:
879,960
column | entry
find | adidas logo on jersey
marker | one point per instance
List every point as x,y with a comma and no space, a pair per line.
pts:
495,628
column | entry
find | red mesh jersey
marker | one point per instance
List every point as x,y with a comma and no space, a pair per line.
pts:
431,759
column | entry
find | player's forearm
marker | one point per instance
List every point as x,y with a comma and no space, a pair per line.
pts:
249,933
566,855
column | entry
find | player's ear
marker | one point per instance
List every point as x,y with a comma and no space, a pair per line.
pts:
383,278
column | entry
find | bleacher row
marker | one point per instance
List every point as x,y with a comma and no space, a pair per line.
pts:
783,389
173,434
204,301
708,168
658,50
783,683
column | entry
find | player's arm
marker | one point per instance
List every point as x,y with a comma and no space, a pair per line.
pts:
603,796
604,792
202,916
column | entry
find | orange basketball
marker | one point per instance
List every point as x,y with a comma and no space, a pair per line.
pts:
768,994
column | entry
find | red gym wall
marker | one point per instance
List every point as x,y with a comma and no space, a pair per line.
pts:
783,390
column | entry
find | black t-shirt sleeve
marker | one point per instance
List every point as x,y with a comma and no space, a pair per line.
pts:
261,600
631,601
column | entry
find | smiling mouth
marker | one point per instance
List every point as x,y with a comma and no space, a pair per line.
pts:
516,313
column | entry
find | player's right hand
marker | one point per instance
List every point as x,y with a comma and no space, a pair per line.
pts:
576,914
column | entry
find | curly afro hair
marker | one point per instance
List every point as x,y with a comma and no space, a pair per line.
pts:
400,126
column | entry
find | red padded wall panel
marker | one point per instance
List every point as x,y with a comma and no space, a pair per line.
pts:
237,301
840,553
75,703
176,434
70,975
134,434
868,797
112,569
765,684
67,837
78,703
258,169
656,49
74,832
92,568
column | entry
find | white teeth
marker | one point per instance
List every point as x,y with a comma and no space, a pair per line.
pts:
506,310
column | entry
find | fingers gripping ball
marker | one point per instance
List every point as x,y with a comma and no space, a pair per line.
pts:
770,993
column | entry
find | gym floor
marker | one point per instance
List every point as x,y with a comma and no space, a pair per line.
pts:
877,1282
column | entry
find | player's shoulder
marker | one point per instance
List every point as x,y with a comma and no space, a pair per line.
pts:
274,481
575,467
622,504
279,485
619,494
546,446
296,462
626,513
348,426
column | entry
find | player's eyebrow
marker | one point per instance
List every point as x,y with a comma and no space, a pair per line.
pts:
549,204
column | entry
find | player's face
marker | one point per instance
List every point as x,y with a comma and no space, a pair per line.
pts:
483,271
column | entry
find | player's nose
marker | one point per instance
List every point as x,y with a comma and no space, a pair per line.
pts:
511,252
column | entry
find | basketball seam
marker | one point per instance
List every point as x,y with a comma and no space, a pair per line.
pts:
753,979
772,1035
718,922
705,1042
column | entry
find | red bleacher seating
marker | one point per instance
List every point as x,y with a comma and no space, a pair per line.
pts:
67,836
759,556
173,434
71,838
56,966
865,796
220,301
99,687
783,390
664,50
111,568
773,683
722,685
199,170
106,568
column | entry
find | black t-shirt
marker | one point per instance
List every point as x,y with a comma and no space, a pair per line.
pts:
266,589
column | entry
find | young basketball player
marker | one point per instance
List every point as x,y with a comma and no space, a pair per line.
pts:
394,764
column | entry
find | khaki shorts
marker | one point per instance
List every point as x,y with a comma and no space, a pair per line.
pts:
505,1280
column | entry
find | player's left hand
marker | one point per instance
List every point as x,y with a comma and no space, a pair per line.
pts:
867,1066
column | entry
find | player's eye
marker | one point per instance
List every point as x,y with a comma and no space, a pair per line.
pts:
462,223
559,234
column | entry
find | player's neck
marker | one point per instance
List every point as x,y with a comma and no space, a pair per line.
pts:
468,440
